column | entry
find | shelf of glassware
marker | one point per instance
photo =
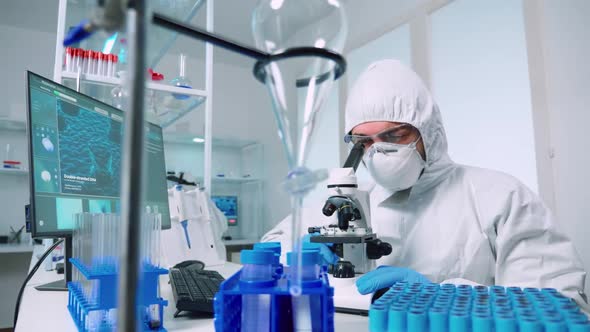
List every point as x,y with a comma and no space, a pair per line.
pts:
174,102
115,81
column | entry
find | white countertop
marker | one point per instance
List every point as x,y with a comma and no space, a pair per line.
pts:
47,311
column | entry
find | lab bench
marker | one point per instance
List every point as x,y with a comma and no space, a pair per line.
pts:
47,311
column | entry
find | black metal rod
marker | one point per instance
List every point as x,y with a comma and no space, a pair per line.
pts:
133,170
209,37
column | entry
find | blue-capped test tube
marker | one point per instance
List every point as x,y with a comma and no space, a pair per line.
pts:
306,309
274,247
256,274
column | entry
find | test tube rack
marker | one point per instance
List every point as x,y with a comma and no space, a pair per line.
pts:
449,308
103,299
228,303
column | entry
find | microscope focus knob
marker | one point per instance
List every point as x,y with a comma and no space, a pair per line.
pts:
343,269
377,249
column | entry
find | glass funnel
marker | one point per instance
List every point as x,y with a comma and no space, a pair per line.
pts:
304,39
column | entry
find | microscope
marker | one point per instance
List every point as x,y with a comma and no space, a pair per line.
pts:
352,238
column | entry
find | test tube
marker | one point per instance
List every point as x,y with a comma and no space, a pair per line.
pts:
114,243
256,273
75,59
115,62
69,58
81,61
90,62
94,57
158,233
144,237
305,308
99,68
96,62
105,63
274,247
85,61
75,247
109,67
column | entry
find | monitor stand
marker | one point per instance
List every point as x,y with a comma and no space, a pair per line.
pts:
61,285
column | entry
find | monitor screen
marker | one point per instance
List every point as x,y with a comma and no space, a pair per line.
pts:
75,145
229,206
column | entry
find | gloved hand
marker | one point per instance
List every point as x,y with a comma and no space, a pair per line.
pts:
386,276
328,256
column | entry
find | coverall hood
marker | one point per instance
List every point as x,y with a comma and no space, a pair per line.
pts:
389,91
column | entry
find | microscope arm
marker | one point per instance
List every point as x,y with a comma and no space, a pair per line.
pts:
355,157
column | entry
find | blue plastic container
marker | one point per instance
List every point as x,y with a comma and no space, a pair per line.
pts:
276,248
316,291
449,308
91,313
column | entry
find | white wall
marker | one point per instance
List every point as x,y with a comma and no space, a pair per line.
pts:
324,148
479,76
564,33
393,44
22,49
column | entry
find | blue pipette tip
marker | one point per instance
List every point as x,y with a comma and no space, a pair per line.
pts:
184,224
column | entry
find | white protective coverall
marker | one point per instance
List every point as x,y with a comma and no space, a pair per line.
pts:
457,224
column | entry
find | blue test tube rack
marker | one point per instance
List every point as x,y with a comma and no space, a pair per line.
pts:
104,296
449,308
228,302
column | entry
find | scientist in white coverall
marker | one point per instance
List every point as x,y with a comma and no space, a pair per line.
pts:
446,222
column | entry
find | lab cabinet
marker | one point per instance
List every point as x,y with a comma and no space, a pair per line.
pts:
237,174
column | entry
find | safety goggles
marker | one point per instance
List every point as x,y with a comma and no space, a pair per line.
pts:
402,134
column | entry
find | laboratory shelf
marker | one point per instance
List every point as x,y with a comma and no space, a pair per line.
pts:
115,81
173,102
92,79
12,171
14,125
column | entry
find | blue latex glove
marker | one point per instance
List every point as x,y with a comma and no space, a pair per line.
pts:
386,276
328,256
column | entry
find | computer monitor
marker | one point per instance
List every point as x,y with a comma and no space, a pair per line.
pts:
229,206
75,145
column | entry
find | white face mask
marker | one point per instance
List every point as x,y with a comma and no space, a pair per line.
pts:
394,166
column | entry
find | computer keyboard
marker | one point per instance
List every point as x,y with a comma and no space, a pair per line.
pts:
194,289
